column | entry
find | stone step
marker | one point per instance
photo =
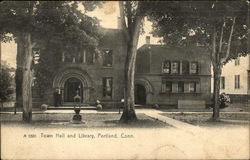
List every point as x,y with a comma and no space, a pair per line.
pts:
71,108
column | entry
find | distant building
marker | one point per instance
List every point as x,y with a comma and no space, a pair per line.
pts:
172,76
235,79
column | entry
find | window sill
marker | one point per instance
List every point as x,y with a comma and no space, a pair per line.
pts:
179,93
106,67
77,63
106,99
180,74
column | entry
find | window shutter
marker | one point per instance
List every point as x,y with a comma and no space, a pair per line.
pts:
104,86
197,68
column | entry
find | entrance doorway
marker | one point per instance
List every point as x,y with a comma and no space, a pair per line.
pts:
71,87
140,94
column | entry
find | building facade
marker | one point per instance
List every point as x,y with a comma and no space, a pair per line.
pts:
89,76
167,76
235,79
172,76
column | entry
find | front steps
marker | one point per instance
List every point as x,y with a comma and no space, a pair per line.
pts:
70,108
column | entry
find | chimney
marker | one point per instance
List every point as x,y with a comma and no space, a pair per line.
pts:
147,39
119,23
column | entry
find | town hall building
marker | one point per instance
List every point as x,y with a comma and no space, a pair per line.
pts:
167,76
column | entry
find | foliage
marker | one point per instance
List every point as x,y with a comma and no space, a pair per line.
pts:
5,82
224,100
70,35
37,24
56,27
193,22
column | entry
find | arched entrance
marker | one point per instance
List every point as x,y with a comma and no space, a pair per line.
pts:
140,94
71,80
72,86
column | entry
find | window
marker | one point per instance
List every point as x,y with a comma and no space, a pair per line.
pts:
79,58
107,87
175,67
192,87
180,86
68,58
89,57
166,86
237,61
177,86
107,58
222,83
166,67
237,81
185,67
194,68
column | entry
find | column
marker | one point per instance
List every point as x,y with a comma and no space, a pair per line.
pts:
84,56
180,67
63,57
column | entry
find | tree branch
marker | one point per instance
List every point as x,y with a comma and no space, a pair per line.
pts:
214,45
123,22
221,36
33,44
229,43
129,17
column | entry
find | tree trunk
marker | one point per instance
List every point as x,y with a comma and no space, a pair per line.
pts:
19,71
216,107
27,79
128,114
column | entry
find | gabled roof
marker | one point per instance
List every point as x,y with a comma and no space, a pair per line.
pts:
112,35
154,48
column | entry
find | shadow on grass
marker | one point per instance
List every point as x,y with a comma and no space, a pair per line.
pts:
140,123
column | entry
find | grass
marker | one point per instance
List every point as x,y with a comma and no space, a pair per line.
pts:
92,120
203,119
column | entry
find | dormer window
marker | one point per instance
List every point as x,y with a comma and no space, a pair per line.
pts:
175,67
194,68
166,67
185,67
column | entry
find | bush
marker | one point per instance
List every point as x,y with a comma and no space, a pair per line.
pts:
99,107
44,107
224,100
5,83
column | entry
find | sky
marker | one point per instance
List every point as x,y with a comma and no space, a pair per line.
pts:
107,15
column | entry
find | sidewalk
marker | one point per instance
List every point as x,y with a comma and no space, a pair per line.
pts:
153,113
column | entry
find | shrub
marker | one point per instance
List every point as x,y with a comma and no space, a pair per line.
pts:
5,83
99,107
224,100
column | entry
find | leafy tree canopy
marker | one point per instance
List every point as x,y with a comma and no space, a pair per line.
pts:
192,22
57,22
5,81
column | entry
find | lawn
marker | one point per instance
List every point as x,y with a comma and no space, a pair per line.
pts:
92,120
203,119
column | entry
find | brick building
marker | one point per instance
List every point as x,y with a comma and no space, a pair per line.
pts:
168,76
172,76
94,78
